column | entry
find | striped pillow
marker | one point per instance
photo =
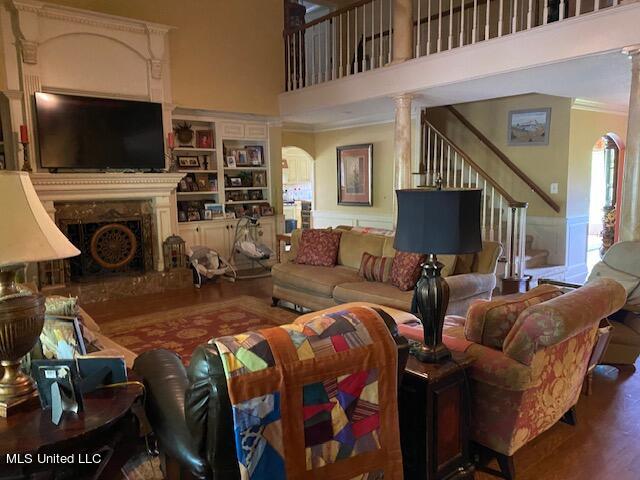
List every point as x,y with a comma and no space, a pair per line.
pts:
375,269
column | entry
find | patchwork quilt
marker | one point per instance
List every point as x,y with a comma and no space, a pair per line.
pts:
316,398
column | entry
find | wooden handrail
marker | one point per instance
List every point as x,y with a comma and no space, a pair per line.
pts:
328,16
485,176
506,160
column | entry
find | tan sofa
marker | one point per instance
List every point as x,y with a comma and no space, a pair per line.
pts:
322,287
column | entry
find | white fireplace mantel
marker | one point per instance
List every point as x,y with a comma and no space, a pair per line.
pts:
160,188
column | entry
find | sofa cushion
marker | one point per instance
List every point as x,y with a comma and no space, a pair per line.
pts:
354,244
313,279
488,323
373,292
375,269
318,247
405,270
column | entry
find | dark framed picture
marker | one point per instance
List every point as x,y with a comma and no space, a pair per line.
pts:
355,172
241,157
188,161
182,216
529,127
204,139
231,161
183,186
61,338
254,155
255,195
235,181
259,179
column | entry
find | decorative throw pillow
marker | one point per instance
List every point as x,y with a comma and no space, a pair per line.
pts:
375,269
318,247
405,269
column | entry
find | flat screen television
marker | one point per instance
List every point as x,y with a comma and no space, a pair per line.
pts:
85,133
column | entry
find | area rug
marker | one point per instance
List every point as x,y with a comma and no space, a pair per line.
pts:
183,329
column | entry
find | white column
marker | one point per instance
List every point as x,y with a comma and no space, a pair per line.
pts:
402,146
402,30
162,213
630,208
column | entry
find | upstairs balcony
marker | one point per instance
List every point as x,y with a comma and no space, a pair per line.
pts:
326,59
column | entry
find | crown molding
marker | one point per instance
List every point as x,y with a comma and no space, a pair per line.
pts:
600,107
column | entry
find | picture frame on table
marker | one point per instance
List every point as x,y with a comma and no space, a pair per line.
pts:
231,161
188,161
61,338
204,139
259,179
355,175
254,155
529,127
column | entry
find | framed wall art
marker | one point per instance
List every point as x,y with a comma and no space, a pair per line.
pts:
529,127
355,172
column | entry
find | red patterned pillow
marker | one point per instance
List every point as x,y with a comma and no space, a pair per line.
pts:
375,269
319,247
405,269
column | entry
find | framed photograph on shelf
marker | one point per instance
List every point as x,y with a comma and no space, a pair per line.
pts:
355,171
231,161
202,180
183,186
188,161
193,215
529,127
266,210
235,181
204,139
255,195
241,157
208,214
182,216
259,179
254,155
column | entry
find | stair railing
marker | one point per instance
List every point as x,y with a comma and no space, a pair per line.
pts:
503,218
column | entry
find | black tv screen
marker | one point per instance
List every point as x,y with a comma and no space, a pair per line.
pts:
87,133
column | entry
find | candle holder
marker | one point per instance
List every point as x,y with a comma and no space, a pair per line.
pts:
173,167
26,164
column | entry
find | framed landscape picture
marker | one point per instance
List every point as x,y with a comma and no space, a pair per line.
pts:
355,169
529,127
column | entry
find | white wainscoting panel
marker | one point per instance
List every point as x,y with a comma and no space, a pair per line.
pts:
327,218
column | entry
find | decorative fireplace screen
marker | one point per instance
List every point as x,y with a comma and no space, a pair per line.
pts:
114,238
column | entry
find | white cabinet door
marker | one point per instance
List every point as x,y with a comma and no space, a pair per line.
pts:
190,234
215,235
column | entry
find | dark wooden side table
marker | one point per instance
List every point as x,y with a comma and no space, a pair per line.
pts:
95,443
434,420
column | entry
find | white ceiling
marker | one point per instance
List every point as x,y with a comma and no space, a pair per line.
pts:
603,78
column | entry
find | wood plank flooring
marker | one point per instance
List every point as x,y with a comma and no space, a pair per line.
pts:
604,445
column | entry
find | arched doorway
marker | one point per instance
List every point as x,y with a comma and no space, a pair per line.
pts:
604,195
297,187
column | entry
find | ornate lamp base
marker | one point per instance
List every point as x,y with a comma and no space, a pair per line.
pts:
432,299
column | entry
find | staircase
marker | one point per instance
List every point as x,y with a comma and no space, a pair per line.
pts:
503,218
536,263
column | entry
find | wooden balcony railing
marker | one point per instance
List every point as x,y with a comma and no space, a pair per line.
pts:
359,37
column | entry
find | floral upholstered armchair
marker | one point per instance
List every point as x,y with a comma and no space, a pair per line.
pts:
531,354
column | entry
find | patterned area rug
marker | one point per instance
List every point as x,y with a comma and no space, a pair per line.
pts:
183,329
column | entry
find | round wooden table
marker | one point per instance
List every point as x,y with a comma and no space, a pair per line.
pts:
88,444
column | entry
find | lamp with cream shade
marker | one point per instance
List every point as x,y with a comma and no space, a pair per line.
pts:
27,234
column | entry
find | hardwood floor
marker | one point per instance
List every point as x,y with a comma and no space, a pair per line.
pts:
605,444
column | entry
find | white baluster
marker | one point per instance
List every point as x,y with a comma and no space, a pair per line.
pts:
448,166
348,45
428,27
390,29
439,44
484,210
451,24
312,48
287,62
418,31
562,8
474,29
355,41
428,167
461,172
545,12
596,6
487,23
301,52
530,14
500,18
306,58
327,29
455,167
461,41
491,212
514,25
380,42
500,218
373,38
364,37
441,158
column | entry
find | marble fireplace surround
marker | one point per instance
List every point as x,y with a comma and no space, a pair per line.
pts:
159,188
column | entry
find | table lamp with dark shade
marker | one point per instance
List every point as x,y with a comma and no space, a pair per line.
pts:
433,221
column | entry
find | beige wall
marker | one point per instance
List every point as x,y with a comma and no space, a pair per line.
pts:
586,128
304,140
225,55
543,164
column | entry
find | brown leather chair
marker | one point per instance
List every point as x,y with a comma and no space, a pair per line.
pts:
190,411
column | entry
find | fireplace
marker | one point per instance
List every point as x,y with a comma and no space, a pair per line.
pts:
115,238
